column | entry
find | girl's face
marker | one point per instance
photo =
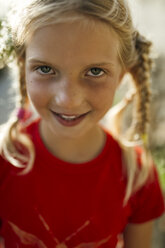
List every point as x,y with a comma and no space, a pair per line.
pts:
72,71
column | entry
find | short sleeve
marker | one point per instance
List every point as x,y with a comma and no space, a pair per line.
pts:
147,203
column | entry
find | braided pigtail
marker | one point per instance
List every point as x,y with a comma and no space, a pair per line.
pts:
141,73
15,145
140,95
138,133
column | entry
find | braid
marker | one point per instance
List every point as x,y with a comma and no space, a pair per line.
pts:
137,134
141,74
15,145
22,85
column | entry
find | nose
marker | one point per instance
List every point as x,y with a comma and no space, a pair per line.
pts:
69,94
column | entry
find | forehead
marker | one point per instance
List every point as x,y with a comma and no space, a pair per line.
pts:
82,38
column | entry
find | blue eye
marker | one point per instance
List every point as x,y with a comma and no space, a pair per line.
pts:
44,69
96,72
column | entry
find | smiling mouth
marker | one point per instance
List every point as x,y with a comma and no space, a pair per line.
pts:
69,120
69,117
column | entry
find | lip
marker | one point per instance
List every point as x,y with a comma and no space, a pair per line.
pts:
70,122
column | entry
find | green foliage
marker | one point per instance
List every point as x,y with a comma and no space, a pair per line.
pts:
6,44
159,158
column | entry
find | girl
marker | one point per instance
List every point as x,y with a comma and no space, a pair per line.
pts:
65,181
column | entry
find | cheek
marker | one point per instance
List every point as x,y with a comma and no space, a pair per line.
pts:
103,98
37,92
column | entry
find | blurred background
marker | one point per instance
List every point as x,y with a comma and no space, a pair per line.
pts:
149,19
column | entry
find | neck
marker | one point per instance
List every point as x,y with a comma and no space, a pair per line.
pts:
79,150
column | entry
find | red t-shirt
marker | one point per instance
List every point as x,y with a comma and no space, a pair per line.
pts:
59,204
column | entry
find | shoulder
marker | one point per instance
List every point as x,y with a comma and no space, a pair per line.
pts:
147,202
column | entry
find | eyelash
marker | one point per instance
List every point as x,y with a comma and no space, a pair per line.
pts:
96,68
39,69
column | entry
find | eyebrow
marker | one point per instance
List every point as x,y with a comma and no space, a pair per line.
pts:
33,60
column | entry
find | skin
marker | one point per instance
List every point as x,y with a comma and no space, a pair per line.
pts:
67,85
138,235
70,87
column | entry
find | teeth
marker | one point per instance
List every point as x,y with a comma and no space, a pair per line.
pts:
69,117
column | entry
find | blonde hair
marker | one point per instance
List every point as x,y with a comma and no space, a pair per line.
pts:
134,55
